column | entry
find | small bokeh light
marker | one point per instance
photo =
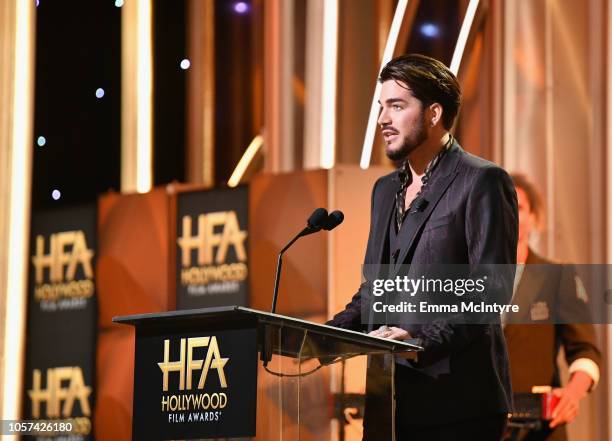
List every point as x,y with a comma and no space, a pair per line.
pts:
41,141
118,3
430,30
241,7
56,194
99,92
185,63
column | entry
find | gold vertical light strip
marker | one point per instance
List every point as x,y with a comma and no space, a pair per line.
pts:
328,89
208,121
510,87
17,85
396,24
313,69
497,91
464,33
278,92
144,143
136,96
287,97
247,158
272,78
200,163
129,48
385,13
549,128
609,174
608,197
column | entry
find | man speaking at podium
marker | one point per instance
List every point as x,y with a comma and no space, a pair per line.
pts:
442,206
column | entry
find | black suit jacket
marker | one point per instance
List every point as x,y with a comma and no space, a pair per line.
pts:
534,345
470,218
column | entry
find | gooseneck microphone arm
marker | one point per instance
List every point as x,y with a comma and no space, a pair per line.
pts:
316,222
279,265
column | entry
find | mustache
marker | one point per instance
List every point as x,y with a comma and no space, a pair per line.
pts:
389,128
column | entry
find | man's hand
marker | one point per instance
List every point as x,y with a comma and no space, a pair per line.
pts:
569,405
395,334
390,332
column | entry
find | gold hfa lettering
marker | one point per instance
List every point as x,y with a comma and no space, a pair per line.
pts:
207,239
56,392
185,366
59,257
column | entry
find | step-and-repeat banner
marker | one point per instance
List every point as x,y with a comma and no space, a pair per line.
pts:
211,260
211,270
61,327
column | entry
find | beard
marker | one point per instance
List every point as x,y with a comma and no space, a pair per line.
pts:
415,138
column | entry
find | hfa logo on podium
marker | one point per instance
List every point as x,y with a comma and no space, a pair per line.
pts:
194,403
212,248
195,384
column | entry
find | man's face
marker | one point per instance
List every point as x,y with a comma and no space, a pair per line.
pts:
527,220
402,120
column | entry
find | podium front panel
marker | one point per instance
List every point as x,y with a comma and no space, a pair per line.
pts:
233,372
195,384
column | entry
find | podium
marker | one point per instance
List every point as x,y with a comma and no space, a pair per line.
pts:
235,372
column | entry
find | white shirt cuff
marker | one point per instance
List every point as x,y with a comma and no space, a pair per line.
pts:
587,366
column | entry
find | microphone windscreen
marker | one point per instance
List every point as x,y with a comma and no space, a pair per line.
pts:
419,204
334,219
318,218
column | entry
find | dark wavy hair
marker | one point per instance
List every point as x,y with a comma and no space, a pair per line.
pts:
429,80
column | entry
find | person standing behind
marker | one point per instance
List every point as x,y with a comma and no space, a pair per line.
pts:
533,348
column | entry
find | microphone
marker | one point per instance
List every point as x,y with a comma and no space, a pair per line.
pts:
315,222
318,220
334,219
420,205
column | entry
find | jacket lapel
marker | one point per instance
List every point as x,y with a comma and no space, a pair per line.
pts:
416,220
387,195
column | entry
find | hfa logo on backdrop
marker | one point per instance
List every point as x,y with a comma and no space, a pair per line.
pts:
58,257
191,403
212,256
61,335
65,388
